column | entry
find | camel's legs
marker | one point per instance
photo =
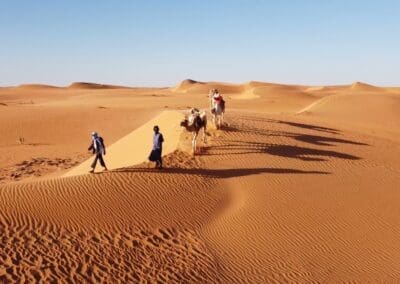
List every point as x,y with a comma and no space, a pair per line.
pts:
194,141
215,120
218,121
204,135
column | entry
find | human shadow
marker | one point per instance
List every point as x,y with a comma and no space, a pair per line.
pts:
221,173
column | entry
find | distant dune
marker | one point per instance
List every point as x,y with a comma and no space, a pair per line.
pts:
75,85
94,86
359,86
196,87
36,86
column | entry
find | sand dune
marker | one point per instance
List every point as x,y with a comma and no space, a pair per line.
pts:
375,113
103,228
300,185
94,86
36,86
281,98
195,87
359,86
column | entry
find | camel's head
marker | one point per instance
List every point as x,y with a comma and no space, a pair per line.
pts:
194,110
184,123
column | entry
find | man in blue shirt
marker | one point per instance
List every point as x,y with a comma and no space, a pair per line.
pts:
156,153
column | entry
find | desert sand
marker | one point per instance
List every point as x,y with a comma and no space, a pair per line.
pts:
301,184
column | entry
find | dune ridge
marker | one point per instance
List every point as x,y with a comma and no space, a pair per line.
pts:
360,86
93,86
36,86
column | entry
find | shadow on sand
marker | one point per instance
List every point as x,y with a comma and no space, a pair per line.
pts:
325,141
235,147
289,151
239,147
311,139
294,124
221,173
307,126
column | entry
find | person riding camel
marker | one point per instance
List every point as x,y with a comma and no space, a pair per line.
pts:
217,99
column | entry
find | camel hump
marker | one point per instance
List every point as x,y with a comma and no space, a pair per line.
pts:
203,115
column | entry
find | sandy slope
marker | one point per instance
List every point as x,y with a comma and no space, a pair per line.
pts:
308,203
135,147
371,112
301,185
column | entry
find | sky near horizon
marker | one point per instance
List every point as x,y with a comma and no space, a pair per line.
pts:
160,43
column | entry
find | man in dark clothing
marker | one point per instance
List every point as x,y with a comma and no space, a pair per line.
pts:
158,139
99,149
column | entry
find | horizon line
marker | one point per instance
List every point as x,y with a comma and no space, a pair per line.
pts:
105,85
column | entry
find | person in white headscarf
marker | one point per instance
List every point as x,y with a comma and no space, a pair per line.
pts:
99,149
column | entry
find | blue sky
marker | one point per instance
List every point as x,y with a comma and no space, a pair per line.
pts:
159,43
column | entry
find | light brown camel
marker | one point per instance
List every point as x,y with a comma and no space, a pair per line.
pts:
195,121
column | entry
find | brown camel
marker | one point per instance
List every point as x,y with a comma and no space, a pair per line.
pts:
194,122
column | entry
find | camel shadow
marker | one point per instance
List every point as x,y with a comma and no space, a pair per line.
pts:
257,131
294,124
307,126
306,154
311,139
221,173
325,141
235,147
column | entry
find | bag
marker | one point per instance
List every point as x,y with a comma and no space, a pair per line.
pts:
154,156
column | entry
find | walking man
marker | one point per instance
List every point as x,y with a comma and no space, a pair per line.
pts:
156,153
98,148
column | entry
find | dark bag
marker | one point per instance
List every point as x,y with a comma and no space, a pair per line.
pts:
154,155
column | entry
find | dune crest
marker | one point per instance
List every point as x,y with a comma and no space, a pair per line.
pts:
360,86
93,86
36,86
185,85
197,87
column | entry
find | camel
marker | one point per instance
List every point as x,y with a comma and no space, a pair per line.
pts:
217,109
196,121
